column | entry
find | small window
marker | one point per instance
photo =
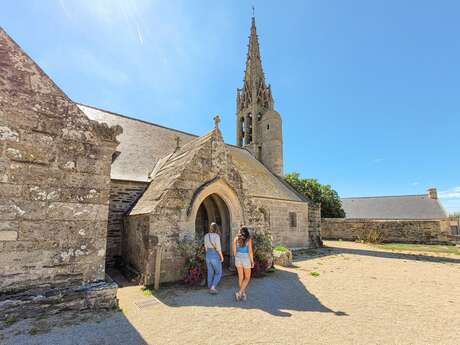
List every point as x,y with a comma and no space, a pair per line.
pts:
292,219
268,127
259,153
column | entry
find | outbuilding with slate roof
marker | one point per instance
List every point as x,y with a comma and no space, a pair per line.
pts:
402,218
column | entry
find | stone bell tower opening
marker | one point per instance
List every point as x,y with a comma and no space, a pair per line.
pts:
258,125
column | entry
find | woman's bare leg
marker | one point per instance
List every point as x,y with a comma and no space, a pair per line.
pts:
240,276
245,282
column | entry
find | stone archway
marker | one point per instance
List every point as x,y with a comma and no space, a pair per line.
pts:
214,209
226,203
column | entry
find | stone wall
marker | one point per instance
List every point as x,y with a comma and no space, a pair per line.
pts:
123,196
276,213
314,225
42,302
409,231
54,181
135,241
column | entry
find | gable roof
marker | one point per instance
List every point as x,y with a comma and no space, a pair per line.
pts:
143,144
394,207
166,171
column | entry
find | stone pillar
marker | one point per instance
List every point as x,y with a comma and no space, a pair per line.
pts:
246,130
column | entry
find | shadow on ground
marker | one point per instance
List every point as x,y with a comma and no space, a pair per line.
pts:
331,250
69,328
277,294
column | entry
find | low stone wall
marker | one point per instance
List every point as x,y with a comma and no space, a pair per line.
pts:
44,301
409,231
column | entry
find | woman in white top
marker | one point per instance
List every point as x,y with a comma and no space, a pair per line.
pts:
214,257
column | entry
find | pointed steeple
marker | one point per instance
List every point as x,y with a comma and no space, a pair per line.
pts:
254,72
258,125
254,88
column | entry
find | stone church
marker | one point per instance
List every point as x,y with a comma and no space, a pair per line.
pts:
84,188
167,184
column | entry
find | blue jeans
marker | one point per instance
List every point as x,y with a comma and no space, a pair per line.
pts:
214,267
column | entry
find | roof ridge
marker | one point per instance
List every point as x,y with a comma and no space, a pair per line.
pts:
148,122
135,119
382,196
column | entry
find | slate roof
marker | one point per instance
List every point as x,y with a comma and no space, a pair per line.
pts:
416,207
143,144
166,172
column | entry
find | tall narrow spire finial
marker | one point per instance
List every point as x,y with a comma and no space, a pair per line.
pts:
253,10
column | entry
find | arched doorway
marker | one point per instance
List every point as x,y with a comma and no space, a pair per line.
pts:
214,209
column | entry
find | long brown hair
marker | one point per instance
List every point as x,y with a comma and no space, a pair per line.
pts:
214,228
243,236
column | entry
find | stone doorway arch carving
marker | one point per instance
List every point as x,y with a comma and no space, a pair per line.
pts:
225,199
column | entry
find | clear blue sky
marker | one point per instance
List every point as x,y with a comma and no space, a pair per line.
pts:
369,91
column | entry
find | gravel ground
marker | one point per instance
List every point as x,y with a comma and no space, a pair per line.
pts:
362,295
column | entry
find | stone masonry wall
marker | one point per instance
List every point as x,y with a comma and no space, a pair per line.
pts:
54,181
123,196
314,225
409,231
276,212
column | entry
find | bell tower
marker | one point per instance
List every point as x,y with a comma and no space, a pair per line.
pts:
258,125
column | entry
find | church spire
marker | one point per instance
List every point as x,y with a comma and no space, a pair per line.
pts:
254,90
254,72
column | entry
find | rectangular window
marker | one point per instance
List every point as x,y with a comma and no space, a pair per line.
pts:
292,219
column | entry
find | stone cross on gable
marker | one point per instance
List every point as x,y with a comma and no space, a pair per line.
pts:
216,121
177,142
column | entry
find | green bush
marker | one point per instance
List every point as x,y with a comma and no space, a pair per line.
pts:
280,248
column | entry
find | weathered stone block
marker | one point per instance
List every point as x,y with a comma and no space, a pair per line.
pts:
282,258
9,226
36,175
23,152
8,235
7,133
81,180
76,211
3,170
8,190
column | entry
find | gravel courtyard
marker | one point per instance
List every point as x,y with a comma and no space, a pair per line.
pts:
362,295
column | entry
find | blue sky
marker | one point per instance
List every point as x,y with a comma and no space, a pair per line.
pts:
369,91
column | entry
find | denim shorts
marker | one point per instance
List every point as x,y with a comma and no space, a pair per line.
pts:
242,260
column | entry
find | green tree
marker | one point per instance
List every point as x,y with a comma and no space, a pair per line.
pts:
454,216
331,205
